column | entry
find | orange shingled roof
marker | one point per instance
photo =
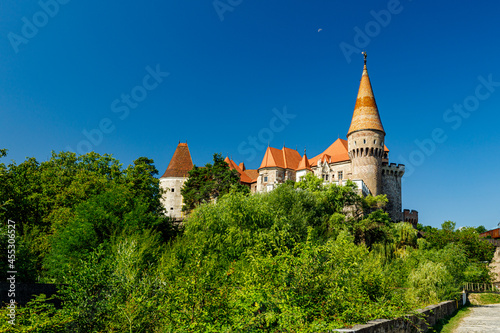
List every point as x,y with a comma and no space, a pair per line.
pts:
181,162
304,163
244,178
337,152
366,115
253,174
285,158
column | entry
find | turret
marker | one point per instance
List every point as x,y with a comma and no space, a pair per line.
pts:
173,179
365,138
303,168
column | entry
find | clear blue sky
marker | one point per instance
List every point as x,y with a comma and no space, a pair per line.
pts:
70,71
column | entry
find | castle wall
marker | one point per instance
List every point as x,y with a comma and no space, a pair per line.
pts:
274,176
410,216
332,170
301,173
391,186
172,197
268,178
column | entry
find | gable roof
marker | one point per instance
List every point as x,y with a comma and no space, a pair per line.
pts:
181,162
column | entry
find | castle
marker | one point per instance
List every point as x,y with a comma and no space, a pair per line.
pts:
363,158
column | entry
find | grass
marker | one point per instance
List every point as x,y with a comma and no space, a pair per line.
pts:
448,325
486,298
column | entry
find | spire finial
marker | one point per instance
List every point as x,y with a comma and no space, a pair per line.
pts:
304,150
364,53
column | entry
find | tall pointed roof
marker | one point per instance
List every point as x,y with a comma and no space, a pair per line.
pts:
365,116
181,162
304,163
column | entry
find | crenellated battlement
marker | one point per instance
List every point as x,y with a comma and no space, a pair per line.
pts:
393,169
410,216
366,151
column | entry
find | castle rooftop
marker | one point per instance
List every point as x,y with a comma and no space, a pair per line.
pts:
285,158
181,163
366,115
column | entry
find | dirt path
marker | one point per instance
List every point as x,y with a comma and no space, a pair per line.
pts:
483,318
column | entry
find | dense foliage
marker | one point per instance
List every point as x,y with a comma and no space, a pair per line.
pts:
208,183
302,258
65,207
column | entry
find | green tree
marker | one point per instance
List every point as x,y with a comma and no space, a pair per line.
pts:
209,183
476,249
69,198
481,229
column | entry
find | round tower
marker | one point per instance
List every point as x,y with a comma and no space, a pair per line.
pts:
365,138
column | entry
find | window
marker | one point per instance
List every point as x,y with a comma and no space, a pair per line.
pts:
265,179
364,141
323,176
326,177
173,190
374,142
340,175
171,208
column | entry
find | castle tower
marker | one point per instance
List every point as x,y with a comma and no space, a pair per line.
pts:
173,179
365,138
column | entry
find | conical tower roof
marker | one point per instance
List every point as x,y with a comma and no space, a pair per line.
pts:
181,162
365,116
304,163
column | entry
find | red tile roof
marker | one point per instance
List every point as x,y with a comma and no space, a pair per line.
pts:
304,163
244,177
285,158
253,174
181,163
337,152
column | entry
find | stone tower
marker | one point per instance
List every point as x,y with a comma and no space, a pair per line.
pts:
365,138
173,179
